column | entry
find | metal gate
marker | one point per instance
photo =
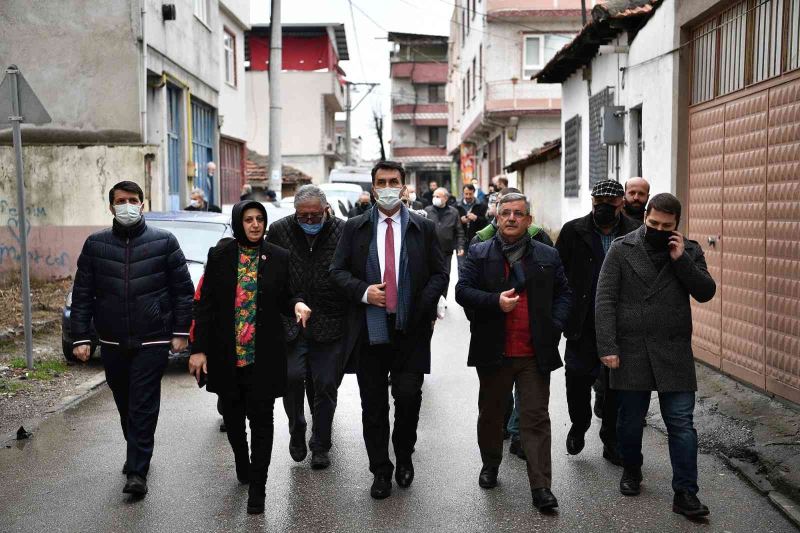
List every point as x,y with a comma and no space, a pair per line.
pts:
174,144
204,130
744,191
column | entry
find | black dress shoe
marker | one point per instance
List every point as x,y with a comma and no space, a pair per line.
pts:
688,505
611,455
575,441
543,499
297,447
320,460
381,487
630,484
136,485
256,494
515,448
488,477
404,475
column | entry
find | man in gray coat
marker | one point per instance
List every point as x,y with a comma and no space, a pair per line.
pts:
644,335
448,227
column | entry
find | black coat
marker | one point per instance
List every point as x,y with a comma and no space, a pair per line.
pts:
428,280
215,330
211,208
471,228
133,282
574,245
482,278
309,277
448,227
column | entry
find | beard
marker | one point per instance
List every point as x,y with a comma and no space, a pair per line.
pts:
635,211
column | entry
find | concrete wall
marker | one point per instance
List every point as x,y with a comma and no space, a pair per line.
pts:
651,85
304,117
233,99
87,80
541,183
66,198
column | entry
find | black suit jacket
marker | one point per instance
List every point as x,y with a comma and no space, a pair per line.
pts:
429,278
214,332
471,228
482,278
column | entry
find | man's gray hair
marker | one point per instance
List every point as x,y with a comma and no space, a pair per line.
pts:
308,193
515,197
445,191
201,192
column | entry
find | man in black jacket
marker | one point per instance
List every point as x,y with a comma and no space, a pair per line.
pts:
311,237
361,206
515,294
133,282
448,227
582,245
389,265
473,215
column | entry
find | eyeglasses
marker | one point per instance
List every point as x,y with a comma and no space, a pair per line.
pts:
309,219
506,213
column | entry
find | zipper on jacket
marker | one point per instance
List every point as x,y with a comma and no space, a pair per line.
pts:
126,278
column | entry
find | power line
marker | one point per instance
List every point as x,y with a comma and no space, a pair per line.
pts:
358,45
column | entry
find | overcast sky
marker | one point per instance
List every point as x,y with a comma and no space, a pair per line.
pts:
367,45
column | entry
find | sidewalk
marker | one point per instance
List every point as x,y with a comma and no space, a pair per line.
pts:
756,435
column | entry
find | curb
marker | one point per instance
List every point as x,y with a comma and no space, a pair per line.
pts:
83,391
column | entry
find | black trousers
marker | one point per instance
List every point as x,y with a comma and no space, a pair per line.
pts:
579,404
134,377
247,401
312,365
375,365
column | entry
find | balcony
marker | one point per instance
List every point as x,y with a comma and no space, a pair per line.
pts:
421,114
522,97
535,8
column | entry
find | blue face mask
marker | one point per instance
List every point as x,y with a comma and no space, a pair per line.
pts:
310,229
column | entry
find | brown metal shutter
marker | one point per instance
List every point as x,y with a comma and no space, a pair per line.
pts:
783,242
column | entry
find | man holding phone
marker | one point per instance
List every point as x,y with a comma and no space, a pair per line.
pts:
515,294
644,335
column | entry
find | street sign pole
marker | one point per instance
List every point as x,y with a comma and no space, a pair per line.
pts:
19,104
16,120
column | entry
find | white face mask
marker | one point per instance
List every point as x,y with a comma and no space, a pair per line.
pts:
195,203
127,214
412,196
437,202
388,198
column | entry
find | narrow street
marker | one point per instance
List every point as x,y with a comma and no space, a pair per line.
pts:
67,478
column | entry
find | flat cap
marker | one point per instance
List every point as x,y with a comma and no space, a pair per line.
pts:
608,188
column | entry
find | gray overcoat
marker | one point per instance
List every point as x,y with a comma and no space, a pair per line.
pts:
644,316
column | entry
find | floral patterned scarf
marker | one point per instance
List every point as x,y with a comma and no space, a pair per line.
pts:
245,306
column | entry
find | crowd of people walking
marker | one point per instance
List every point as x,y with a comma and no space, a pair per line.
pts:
287,313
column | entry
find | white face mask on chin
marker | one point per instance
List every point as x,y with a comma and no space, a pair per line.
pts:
388,198
127,214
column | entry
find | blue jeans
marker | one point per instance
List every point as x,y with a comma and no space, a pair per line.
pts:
677,411
513,421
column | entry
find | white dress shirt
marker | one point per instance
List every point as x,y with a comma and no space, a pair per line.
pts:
381,245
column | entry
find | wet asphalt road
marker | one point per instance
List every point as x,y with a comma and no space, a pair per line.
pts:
67,478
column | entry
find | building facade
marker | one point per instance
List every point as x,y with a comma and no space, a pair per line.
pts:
419,108
312,89
136,98
497,114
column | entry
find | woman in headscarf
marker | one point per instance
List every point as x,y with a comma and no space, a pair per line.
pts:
239,344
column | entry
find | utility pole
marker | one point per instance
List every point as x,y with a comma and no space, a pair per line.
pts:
347,138
275,68
583,11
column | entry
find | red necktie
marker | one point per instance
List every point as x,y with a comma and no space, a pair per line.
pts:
389,270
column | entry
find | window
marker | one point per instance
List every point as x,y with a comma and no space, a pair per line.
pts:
532,55
463,95
437,136
463,26
496,156
474,9
469,82
466,17
480,66
635,116
572,156
474,75
201,10
229,50
598,152
435,94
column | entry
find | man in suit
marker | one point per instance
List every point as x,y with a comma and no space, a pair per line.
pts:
644,335
515,294
473,215
391,269
582,245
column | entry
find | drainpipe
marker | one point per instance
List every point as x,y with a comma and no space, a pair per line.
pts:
143,83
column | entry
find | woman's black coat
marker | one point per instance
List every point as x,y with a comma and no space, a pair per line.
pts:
215,331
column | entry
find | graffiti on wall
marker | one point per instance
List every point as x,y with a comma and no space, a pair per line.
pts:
11,246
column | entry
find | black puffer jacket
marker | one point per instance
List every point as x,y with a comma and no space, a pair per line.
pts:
309,277
134,283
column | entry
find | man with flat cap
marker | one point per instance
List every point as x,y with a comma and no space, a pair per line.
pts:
582,245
